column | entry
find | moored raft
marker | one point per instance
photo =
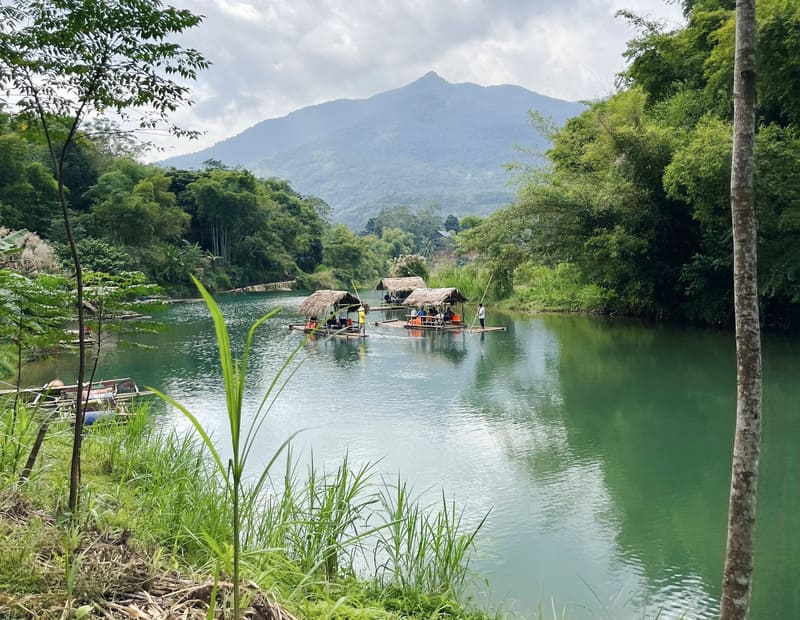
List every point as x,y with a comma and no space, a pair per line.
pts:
109,397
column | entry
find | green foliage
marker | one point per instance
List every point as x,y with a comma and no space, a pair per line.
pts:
451,223
352,257
778,71
421,227
11,243
28,196
469,221
409,265
66,61
261,230
99,255
559,289
32,311
48,47
132,205
472,280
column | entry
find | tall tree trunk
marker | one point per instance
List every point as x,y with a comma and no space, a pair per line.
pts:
738,573
75,462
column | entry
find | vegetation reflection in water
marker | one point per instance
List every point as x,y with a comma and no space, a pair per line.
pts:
601,446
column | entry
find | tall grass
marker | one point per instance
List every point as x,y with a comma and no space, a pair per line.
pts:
311,530
423,548
17,431
471,279
559,289
318,519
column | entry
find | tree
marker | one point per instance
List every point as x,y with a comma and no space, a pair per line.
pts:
451,223
133,205
227,209
64,61
737,577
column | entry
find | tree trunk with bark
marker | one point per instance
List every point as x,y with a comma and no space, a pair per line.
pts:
738,573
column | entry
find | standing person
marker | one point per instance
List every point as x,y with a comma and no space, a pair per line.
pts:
482,316
362,321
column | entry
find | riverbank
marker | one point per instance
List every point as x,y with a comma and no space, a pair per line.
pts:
150,539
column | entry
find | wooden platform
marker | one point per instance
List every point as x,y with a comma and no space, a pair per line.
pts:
489,328
326,333
434,328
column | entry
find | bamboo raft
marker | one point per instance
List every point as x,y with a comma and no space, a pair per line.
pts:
336,332
445,327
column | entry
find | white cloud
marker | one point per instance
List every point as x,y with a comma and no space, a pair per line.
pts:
271,57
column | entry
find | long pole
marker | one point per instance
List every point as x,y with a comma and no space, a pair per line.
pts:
491,275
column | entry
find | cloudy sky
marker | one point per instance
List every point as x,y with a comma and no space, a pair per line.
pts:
271,57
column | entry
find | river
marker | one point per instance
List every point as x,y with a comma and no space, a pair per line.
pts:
600,448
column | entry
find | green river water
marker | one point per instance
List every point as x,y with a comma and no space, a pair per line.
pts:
601,447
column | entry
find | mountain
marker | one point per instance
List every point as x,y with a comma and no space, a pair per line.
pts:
430,142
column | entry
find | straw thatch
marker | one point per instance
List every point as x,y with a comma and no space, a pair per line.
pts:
434,297
319,303
400,285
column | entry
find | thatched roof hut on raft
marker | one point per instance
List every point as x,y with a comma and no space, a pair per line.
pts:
399,288
438,302
435,297
320,303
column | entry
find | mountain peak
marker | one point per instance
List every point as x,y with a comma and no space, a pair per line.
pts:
431,77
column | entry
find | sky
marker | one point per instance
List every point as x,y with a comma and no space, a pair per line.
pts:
271,57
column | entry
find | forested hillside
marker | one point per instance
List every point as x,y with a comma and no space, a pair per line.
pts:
427,143
637,199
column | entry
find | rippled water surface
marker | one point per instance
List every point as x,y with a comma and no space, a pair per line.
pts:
601,448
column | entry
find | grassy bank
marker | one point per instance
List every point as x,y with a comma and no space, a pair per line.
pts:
536,288
154,524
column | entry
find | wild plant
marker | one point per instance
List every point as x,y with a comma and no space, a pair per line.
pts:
117,438
234,373
421,547
72,563
17,431
328,511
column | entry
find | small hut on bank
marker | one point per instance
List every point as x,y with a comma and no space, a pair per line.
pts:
433,308
397,289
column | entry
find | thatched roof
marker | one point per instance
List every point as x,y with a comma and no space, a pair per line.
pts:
319,303
400,285
434,297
